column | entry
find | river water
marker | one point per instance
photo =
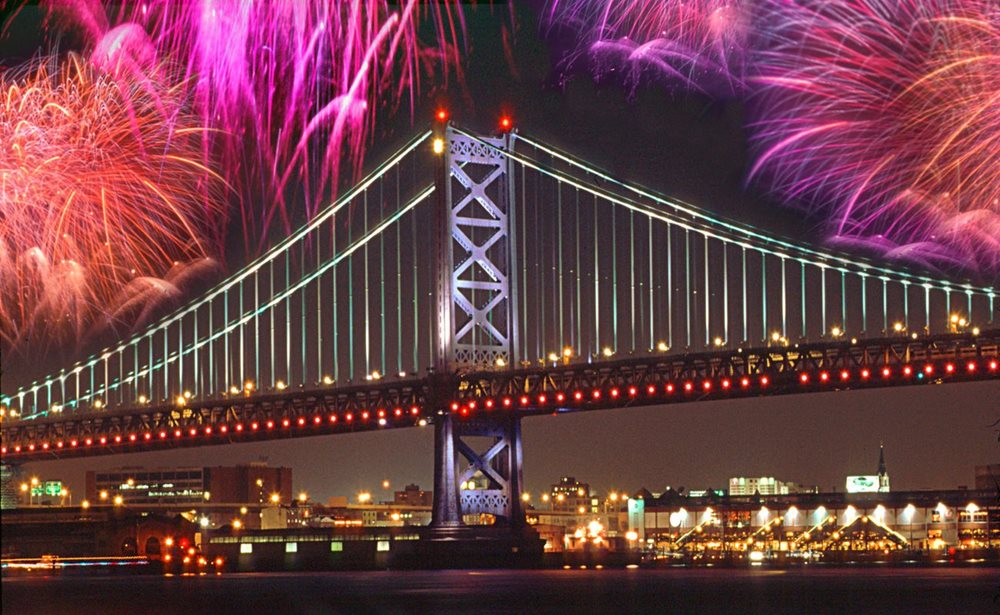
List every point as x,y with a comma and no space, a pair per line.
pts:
815,590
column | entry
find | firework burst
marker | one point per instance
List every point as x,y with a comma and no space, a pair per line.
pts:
884,117
291,87
104,200
690,44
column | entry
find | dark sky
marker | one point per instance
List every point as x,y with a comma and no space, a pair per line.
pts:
694,149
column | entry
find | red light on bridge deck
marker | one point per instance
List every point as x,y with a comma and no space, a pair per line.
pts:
147,436
507,402
301,421
993,366
317,420
505,123
223,429
193,431
524,400
707,385
804,378
907,370
688,386
614,392
764,380
104,440
950,367
239,426
333,418
651,389
59,444
88,441
560,397
489,404
163,435
928,369
464,411
398,412
3,450
414,410
285,423
349,417
454,406
596,394
381,414
17,449
886,372
254,426
971,366
845,375
270,424
632,391
670,388
744,382
578,395
118,439
441,115
131,437
865,373
725,383
824,377
45,446
31,447
208,431
472,405
364,415
72,443
542,399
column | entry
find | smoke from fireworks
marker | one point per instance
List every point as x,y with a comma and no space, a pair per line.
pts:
691,44
104,200
292,87
885,116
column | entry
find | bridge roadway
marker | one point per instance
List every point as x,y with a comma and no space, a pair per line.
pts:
637,380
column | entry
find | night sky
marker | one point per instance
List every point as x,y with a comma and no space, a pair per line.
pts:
687,147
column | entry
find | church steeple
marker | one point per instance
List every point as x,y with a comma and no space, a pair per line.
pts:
883,474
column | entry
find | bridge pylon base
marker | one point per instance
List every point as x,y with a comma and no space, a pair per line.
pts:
478,517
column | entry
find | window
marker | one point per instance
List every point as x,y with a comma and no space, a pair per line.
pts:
246,547
382,545
291,547
336,546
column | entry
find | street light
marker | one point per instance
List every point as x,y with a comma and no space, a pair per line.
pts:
119,500
275,498
364,497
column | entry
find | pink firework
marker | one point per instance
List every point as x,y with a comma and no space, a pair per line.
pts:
104,201
883,116
292,88
691,44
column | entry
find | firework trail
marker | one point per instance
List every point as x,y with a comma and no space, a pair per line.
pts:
689,44
103,201
884,115
290,87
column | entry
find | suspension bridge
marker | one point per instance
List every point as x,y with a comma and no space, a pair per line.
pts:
470,281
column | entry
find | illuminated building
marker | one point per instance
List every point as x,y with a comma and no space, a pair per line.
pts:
764,485
252,483
413,495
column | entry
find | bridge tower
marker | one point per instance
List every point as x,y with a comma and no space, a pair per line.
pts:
477,326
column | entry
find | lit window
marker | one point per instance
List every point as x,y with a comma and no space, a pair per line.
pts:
336,546
246,547
291,547
382,545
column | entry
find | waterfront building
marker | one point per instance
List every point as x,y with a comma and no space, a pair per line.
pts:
764,485
253,483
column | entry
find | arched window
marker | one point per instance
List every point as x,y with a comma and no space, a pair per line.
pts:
152,546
